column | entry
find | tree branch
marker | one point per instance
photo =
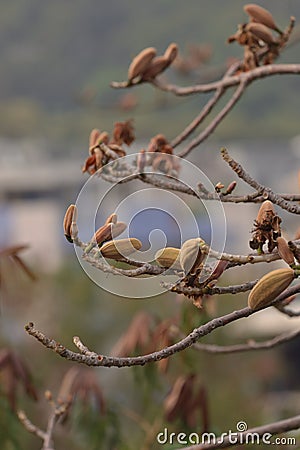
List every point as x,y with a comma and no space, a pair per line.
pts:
267,193
188,341
251,75
271,429
217,120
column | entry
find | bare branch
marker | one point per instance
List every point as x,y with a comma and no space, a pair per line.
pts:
251,75
181,288
188,341
267,193
293,423
249,346
216,121
29,426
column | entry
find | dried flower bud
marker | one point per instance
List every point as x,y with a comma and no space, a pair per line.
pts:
168,257
284,251
156,66
269,287
108,232
93,138
219,186
157,143
120,248
266,211
230,188
69,221
140,63
261,32
261,15
171,52
191,255
113,218
123,133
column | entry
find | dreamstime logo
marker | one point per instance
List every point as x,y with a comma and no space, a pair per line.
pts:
240,436
157,216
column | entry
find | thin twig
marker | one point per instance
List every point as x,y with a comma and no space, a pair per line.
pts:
181,288
251,75
188,341
216,121
249,346
266,192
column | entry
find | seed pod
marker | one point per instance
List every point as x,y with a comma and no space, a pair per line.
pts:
230,188
120,248
265,211
168,257
157,66
269,287
260,31
108,232
261,15
140,63
70,221
113,218
171,52
284,251
191,255
94,135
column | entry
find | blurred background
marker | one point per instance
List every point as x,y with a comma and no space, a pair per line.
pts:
57,60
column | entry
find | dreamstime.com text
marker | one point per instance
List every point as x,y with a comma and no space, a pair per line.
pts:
240,436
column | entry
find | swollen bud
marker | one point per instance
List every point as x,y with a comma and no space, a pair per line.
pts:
269,287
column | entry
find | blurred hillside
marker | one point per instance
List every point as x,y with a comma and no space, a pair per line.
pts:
57,59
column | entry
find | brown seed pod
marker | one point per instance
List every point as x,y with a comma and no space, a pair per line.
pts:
191,255
93,138
120,248
261,32
261,15
140,63
269,287
266,210
284,251
168,257
157,66
70,221
113,218
108,232
171,52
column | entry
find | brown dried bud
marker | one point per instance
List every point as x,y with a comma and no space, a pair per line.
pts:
120,248
157,66
108,232
230,188
269,287
191,255
93,138
123,133
266,211
261,32
171,52
168,257
157,143
284,251
113,218
219,186
261,15
140,63
69,221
